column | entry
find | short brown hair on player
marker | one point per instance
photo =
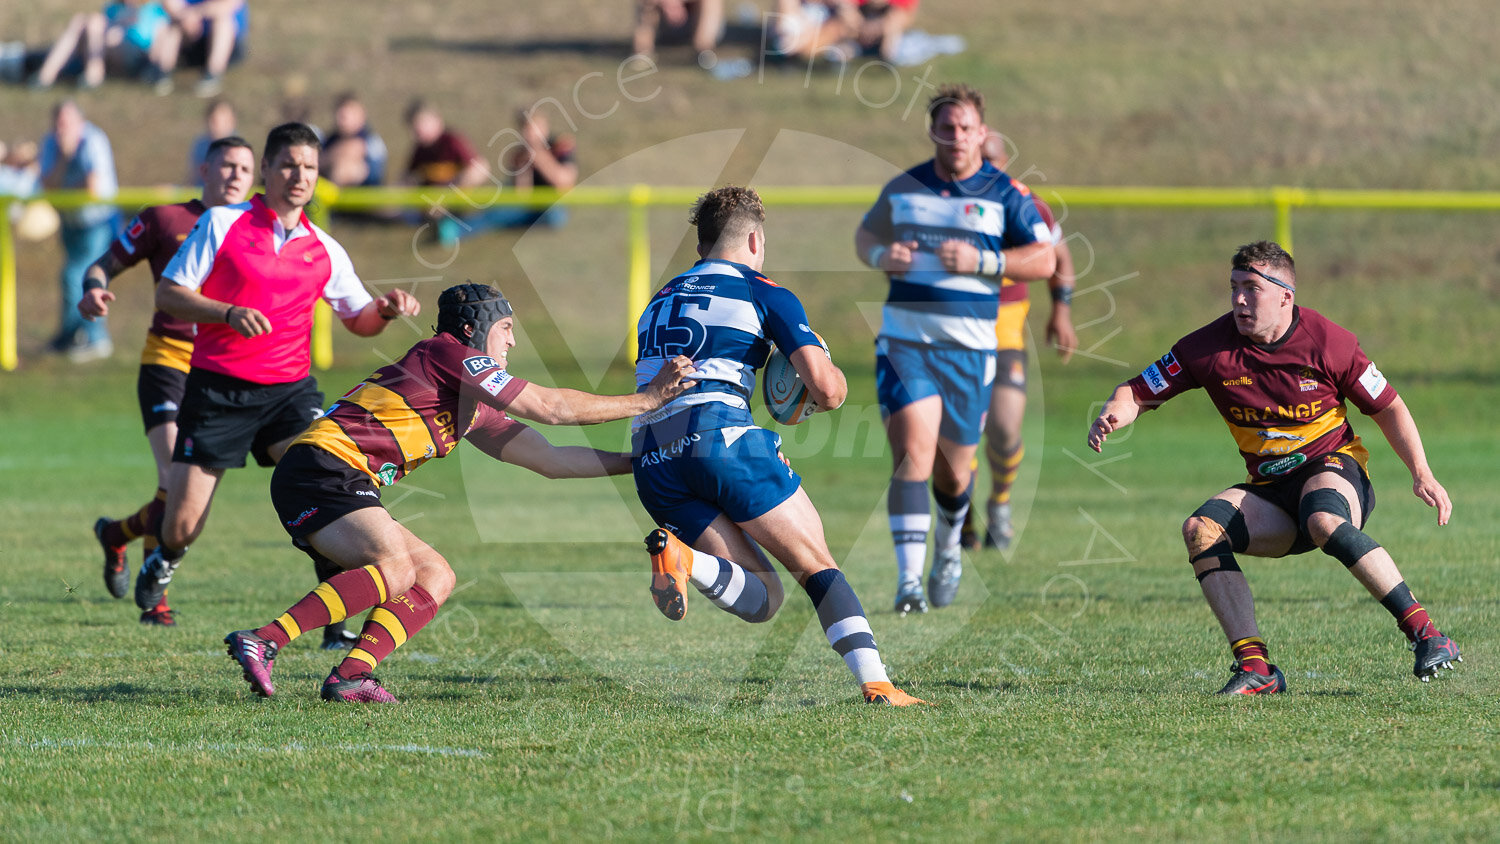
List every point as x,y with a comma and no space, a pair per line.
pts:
1265,252
730,210
955,93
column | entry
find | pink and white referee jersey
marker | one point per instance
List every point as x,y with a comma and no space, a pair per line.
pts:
241,254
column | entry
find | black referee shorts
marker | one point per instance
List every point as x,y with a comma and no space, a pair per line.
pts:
223,418
159,390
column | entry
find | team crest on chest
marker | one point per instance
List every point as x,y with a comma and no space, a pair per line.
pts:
1306,382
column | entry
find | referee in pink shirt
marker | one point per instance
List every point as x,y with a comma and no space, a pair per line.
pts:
249,275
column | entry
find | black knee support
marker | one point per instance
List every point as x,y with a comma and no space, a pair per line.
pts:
1348,544
1323,500
1236,536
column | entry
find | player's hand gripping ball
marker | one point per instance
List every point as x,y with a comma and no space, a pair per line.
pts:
782,388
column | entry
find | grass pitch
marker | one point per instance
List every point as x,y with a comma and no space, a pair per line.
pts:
1072,677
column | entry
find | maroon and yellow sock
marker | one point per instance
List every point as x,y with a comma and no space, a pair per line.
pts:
1252,654
388,628
142,522
1409,615
1003,471
335,599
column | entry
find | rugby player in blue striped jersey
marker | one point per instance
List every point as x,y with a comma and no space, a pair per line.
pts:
717,484
946,232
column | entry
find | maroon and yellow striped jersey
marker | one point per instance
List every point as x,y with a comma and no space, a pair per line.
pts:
418,408
1283,402
154,236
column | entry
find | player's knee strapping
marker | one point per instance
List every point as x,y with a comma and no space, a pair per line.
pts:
1224,535
1348,544
1324,500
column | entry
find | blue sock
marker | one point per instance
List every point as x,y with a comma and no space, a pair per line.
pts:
910,520
739,592
845,625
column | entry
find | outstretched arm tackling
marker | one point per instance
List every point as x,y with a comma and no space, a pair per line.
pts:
1400,431
561,406
529,449
1120,410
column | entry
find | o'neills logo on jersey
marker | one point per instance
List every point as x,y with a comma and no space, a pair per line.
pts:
1242,381
1272,468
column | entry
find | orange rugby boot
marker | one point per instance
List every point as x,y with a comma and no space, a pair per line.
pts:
889,695
671,561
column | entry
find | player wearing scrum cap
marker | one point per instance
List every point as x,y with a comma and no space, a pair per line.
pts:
1280,375
326,488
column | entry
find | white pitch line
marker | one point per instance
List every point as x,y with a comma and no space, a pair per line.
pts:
226,747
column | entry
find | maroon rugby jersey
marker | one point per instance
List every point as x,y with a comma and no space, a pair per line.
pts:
154,236
418,408
1284,402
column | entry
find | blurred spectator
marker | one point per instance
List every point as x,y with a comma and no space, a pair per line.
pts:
440,156
354,155
296,108
218,122
77,154
674,19
538,159
18,174
210,34
840,30
122,40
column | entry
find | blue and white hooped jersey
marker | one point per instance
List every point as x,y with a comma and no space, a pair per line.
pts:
989,210
724,316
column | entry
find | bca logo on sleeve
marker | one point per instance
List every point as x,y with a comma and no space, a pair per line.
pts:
479,364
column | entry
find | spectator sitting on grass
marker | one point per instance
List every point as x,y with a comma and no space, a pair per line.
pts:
121,39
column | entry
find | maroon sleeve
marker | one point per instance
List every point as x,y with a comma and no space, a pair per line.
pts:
1165,378
481,378
493,430
1362,383
137,242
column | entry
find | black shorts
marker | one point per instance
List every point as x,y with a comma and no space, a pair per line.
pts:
1286,493
159,390
1010,368
224,418
311,488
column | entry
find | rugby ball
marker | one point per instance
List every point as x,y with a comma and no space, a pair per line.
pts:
785,394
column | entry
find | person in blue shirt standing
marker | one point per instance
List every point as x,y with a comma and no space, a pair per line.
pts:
77,154
717,484
946,232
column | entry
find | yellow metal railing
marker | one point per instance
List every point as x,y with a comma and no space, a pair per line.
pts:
638,199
